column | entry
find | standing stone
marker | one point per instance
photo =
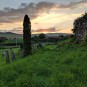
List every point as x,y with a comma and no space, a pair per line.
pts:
3,53
27,46
7,56
22,54
12,55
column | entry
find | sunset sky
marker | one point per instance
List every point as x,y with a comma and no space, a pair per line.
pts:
47,16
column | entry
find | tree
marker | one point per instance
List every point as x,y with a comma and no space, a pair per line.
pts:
42,37
27,36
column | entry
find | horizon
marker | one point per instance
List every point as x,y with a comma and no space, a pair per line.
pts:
35,33
53,16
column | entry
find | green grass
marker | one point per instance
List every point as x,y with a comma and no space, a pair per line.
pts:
64,65
12,41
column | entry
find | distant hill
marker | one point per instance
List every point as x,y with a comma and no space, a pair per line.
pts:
56,34
52,34
14,35
10,35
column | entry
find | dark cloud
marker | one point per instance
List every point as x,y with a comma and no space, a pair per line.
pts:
72,4
23,4
10,15
44,6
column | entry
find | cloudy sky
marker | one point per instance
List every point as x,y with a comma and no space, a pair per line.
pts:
47,16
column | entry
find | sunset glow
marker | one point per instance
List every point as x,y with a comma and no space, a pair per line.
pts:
46,16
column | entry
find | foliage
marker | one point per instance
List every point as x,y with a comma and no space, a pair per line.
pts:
42,37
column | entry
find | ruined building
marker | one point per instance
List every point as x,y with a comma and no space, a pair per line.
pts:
80,27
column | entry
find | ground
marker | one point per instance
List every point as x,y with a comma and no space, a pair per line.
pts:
60,65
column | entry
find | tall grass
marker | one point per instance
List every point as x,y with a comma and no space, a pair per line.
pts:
63,65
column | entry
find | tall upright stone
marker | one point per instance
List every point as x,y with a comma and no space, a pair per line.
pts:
26,36
12,54
7,57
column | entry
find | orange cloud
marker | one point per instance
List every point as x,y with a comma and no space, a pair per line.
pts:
49,30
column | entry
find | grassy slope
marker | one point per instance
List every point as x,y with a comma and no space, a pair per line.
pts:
63,66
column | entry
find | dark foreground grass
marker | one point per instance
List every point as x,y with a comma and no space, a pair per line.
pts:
62,66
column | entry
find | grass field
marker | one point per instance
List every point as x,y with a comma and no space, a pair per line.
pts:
12,41
62,65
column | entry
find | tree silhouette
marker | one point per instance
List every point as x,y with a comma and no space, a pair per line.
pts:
42,36
27,36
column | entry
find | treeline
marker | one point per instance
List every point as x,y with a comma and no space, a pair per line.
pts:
42,38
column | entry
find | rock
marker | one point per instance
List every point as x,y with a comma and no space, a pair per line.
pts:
39,46
3,53
12,55
7,56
